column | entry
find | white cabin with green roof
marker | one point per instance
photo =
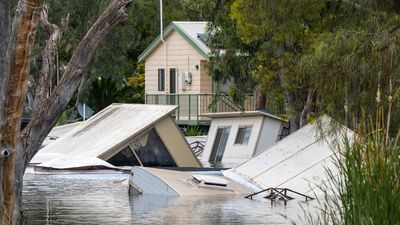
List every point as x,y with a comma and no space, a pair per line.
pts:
176,73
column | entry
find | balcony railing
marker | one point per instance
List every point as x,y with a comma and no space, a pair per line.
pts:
192,106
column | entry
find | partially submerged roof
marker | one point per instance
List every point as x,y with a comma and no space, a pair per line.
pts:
242,114
192,31
156,181
58,132
296,162
111,131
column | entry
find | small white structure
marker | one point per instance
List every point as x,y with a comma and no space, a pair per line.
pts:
236,136
121,135
297,162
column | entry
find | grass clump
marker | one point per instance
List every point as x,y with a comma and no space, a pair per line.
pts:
367,189
194,131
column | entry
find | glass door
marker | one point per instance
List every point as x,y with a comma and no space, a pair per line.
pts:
219,144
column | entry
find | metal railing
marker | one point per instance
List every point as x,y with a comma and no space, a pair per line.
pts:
197,148
192,106
279,194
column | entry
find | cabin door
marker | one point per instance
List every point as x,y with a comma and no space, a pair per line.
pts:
219,144
172,86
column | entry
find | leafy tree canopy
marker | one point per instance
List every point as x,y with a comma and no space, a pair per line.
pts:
311,56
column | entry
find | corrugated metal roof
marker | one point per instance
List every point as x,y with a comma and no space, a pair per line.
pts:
297,162
190,30
109,130
194,29
58,132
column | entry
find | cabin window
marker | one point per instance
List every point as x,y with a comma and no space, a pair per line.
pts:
285,132
161,79
243,135
146,151
126,157
153,152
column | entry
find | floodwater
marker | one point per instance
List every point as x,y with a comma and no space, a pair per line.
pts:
103,199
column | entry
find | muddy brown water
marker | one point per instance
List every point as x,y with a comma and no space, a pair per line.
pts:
103,199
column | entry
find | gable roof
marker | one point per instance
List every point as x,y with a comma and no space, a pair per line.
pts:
192,31
105,134
297,162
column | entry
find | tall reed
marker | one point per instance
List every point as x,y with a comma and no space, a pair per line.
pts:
367,189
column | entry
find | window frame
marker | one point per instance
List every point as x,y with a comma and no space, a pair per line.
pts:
161,79
244,137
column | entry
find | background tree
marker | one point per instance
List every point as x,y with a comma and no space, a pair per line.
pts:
116,60
17,148
310,56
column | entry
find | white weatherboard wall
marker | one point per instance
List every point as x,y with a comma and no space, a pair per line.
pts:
297,162
182,56
234,153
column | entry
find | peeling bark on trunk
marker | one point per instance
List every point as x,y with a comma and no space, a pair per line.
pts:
261,98
294,117
296,106
306,108
49,55
4,63
23,146
18,54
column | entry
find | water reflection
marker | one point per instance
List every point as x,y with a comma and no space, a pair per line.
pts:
103,199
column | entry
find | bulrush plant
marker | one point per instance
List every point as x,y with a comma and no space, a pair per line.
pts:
367,188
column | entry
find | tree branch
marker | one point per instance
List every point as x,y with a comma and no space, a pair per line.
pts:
49,55
49,110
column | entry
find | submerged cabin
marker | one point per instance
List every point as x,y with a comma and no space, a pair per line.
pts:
236,136
155,181
298,162
121,135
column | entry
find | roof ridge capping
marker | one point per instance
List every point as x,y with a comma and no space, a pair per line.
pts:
186,32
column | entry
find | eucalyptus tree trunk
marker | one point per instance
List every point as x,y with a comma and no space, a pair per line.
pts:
17,147
15,79
260,97
295,105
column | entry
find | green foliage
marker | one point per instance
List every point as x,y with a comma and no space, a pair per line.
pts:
102,92
193,131
116,58
334,53
63,119
134,90
349,66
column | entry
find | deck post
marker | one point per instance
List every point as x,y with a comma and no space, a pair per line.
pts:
197,108
190,105
179,109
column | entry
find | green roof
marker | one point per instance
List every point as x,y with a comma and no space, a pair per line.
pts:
188,30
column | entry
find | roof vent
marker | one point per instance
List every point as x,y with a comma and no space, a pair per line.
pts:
210,180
